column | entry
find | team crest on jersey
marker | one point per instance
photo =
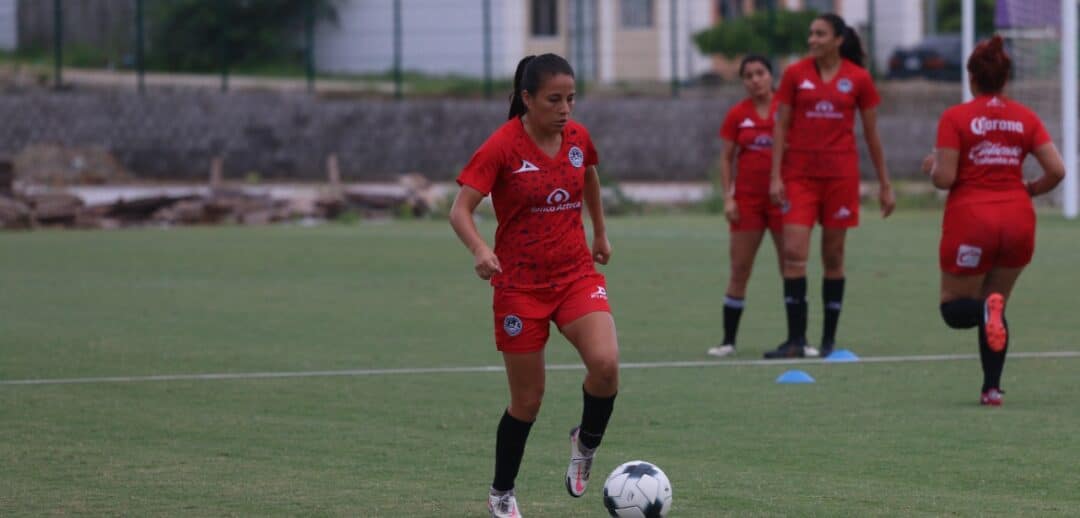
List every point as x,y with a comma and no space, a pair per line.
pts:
844,85
512,325
576,156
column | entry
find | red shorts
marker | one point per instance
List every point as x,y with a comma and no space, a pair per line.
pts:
523,317
821,188
756,212
831,201
976,237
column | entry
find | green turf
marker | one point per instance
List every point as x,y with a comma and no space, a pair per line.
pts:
899,439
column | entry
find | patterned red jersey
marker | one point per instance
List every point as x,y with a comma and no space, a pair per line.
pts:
540,239
753,136
993,135
823,114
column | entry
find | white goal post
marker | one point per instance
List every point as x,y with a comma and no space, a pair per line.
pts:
1068,78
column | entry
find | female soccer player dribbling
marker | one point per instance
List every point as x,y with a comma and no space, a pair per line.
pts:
747,142
988,231
539,168
815,169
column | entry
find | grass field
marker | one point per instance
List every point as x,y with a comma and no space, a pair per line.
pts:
899,439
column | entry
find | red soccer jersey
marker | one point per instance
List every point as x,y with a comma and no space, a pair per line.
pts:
993,135
823,114
753,136
540,239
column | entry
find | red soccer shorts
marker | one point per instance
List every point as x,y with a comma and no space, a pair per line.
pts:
523,317
756,212
976,237
821,188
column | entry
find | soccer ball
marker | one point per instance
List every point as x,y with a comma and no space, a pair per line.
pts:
637,489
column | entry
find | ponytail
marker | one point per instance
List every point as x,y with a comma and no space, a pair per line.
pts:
851,48
517,104
531,72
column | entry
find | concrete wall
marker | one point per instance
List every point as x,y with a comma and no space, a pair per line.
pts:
174,134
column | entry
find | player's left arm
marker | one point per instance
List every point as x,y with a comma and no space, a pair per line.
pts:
877,156
601,248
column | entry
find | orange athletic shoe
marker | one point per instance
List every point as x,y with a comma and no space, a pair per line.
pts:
994,322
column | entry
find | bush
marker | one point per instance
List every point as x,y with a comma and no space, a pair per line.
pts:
778,33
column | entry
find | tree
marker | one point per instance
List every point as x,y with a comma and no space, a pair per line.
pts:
186,35
950,15
778,33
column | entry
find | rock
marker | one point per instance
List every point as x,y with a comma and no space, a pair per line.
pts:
54,208
14,214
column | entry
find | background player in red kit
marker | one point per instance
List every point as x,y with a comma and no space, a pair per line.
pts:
539,168
988,232
747,135
815,171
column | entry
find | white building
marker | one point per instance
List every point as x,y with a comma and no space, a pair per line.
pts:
9,32
608,40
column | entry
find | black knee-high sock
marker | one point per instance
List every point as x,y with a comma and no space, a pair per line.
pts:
962,313
832,296
509,448
795,304
733,308
594,418
993,363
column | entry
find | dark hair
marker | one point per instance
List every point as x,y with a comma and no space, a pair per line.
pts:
851,49
754,58
990,66
531,72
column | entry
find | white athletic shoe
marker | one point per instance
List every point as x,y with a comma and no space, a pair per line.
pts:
577,474
810,351
722,351
503,504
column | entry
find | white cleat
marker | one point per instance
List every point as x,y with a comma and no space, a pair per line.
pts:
577,474
503,504
722,351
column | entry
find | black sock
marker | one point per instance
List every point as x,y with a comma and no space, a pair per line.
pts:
993,363
509,448
732,313
962,313
795,304
594,418
832,295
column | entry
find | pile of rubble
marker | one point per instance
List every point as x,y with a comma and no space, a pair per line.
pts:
27,205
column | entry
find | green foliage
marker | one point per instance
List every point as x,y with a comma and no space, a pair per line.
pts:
186,35
949,15
770,34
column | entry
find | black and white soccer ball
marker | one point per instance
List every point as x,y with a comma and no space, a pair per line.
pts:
637,489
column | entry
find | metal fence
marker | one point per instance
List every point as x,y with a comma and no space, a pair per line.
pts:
457,47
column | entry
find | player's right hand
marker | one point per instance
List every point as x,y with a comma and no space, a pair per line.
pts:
486,263
731,210
776,190
928,164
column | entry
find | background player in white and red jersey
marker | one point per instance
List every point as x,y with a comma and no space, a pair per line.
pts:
988,231
540,167
746,135
815,169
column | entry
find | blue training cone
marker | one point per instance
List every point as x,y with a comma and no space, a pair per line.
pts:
842,355
795,376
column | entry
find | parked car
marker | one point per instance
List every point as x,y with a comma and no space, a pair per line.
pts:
936,57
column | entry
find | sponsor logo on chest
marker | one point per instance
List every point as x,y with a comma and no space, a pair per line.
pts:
824,110
558,201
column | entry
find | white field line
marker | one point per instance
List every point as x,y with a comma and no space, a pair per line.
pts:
499,368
